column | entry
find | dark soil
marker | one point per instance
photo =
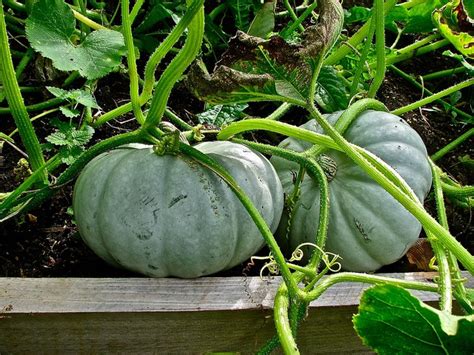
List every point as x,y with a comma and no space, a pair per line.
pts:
45,242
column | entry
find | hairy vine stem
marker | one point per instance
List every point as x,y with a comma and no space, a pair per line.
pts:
369,279
415,83
444,282
434,97
452,145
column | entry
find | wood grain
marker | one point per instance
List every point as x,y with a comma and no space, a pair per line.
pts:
141,315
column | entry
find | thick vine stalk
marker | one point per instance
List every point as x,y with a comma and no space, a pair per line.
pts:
132,62
173,72
15,101
379,48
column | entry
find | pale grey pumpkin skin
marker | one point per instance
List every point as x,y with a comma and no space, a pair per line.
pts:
368,228
170,216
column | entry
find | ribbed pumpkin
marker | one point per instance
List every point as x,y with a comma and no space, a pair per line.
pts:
368,228
170,216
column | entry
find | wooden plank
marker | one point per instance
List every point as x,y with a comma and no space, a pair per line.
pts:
77,295
326,331
143,315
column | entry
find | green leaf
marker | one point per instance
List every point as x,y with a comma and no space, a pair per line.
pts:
455,97
69,155
264,21
331,93
468,6
50,28
356,14
392,321
156,13
79,96
452,24
68,135
81,137
419,20
57,138
220,115
397,15
242,10
69,112
214,35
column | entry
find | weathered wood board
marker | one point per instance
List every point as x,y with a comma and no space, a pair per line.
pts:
142,315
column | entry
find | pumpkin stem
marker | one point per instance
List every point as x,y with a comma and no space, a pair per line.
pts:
168,144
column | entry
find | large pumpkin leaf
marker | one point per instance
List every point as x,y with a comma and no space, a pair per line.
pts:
416,19
50,30
391,320
453,23
419,19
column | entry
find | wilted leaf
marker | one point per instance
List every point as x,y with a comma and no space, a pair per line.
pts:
392,321
420,254
50,28
325,33
254,69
